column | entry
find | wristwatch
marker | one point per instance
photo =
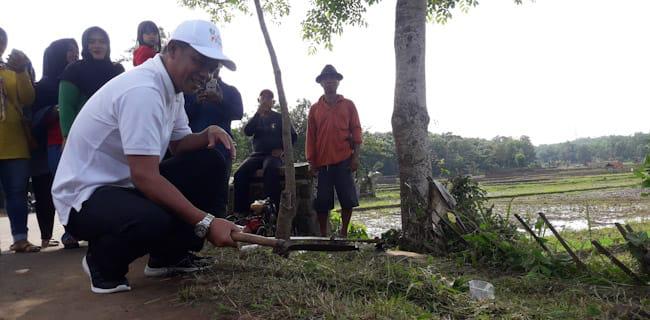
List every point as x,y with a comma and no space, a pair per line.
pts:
201,228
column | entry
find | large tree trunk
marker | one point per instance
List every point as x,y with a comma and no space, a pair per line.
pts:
410,122
287,210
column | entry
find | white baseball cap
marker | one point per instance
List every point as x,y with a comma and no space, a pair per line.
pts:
205,38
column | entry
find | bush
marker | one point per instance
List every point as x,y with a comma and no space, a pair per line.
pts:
479,235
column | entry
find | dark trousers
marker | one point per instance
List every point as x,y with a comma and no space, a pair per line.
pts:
271,179
121,224
221,211
42,186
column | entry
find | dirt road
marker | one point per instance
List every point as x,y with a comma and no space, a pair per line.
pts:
51,285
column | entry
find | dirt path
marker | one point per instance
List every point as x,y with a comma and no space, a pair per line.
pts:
54,286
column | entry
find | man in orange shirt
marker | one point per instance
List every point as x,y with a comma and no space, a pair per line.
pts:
332,150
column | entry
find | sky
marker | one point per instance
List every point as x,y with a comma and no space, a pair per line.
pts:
554,70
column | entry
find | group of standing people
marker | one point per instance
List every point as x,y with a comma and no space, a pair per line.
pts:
139,163
37,117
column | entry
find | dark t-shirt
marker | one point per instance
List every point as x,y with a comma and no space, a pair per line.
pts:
204,114
267,132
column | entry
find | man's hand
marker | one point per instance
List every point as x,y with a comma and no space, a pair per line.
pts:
262,110
17,61
216,135
219,233
211,96
354,164
277,153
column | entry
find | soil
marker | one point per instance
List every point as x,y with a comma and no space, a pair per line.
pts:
51,284
571,210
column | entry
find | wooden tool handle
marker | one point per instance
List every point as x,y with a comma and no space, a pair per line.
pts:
253,238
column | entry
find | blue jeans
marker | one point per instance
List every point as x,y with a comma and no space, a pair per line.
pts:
14,174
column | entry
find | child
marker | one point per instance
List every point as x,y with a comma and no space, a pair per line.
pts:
148,42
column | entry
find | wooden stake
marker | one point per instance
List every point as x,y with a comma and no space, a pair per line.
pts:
530,231
617,262
621,230
575,258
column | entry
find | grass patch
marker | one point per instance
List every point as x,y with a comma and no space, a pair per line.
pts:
538,297
382,198
523,189
367,285
327,286
561,185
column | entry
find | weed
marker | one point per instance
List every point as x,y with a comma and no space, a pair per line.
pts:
482,237
355,230
588,221
639,246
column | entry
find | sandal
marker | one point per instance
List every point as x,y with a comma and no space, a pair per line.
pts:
49,243
24,246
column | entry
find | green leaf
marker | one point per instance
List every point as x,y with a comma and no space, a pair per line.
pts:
451,217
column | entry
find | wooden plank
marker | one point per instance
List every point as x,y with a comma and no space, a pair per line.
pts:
621,230
530,231
575,258
618,263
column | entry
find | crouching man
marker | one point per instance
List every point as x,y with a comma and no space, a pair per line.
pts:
111,188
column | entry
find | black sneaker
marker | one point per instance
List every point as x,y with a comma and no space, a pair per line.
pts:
189,263
99,284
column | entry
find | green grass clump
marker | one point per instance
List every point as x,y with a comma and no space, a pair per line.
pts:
359,285
382,198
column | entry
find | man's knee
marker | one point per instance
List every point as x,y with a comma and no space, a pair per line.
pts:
202,158
209,157
240,175
153,224
272,172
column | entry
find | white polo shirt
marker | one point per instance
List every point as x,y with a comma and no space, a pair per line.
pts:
136,113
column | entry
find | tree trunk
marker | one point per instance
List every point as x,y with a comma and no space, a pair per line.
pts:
287,210
410,122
